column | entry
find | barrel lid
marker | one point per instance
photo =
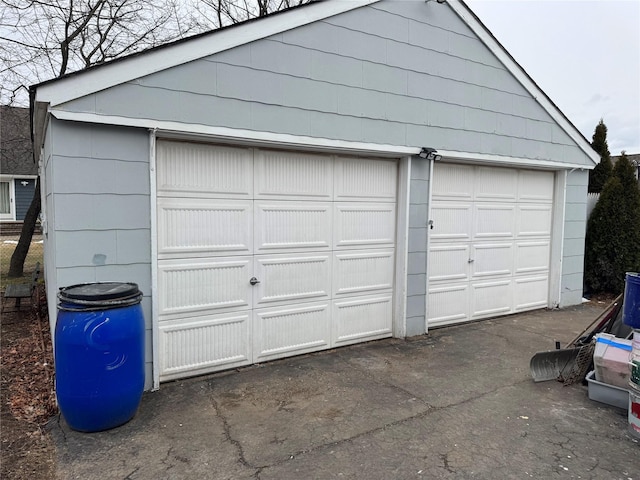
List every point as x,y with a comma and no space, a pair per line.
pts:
100,291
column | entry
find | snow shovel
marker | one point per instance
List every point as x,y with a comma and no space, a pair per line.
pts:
566,363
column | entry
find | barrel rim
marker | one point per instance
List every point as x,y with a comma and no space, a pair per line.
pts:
66,293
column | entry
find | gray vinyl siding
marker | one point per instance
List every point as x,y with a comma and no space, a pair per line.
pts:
24,195
98,194
417,250
402,73
574,235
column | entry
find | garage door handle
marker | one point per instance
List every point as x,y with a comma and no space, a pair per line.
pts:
254,280
471,260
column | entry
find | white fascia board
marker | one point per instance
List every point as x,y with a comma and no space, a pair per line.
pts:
167,129
464,12
501,160
94,80
40,119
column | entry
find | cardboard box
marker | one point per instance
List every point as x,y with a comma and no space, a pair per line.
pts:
611,360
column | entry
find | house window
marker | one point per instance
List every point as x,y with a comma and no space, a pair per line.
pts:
5,199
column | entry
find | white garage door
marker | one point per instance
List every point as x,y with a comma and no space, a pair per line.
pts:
490,242
316,231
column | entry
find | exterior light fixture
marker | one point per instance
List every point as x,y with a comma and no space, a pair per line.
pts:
429,153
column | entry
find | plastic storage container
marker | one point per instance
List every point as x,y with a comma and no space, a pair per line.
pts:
634,412
99,354
634,360
631,302
609,394
611,360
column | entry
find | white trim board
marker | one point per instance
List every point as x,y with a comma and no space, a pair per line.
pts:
155,328
189,131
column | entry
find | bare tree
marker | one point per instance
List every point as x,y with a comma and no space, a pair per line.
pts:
43,39
219,13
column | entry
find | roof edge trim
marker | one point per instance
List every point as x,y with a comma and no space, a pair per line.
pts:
170,129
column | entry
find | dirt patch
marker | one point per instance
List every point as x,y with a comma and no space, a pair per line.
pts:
27,399
602,298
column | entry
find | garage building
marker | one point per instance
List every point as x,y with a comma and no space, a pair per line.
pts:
274,190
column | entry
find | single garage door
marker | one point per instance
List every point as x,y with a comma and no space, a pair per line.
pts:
490,242
264,254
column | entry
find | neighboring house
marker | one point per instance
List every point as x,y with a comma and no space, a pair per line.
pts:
286,151
635,161
18,171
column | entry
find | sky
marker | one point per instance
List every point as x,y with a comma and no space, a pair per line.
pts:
584,54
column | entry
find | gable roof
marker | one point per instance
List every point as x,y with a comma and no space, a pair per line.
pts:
16,153
92,80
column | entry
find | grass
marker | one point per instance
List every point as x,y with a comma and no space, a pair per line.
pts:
35,255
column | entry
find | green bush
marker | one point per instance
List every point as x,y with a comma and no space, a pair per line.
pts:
599,175
613,232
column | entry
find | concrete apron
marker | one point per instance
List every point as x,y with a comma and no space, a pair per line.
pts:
456,403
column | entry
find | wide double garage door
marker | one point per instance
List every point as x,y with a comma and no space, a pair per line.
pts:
264,254
490,242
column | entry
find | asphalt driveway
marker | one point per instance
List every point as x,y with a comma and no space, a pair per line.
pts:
457,403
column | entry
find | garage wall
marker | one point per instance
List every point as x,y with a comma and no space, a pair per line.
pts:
98,210
417,249
402,73
574,234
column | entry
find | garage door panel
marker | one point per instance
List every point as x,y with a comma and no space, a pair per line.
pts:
317,231
361,318
531,292
292,278
491,298
195,285
501,217
362,271
535,186
205,171
449,263
293,176
288,226
532,257
201,227
359,179
448,304
534,221
358,225
454,182
285,331
492,259
496,184
204,344
494,221
451,222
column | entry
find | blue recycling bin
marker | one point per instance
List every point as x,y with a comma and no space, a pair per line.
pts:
631,302
99,354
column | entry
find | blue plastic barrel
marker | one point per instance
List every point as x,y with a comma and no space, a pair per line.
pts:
99,354
631,301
